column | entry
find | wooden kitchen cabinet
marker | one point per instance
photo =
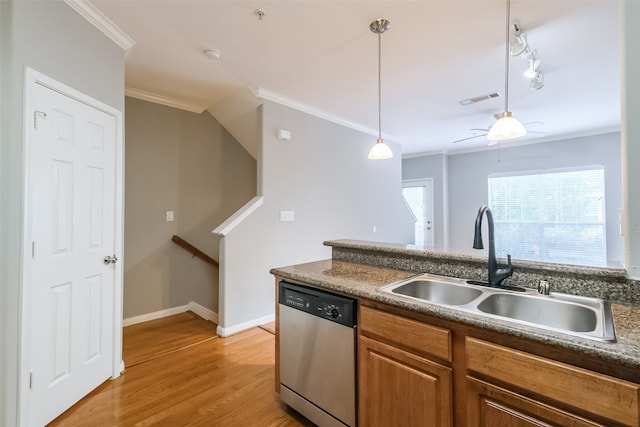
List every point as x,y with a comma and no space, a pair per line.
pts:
400,383
419,371
536,391
492,406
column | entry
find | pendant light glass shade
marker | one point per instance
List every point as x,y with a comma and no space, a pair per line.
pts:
507,126
380,150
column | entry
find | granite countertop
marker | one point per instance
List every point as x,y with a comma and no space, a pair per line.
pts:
407,251
363,281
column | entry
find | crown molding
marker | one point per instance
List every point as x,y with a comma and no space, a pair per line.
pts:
517,143
288,102
101,22
162,100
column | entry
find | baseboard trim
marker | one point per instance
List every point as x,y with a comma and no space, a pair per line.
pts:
201,311
120,370
225,332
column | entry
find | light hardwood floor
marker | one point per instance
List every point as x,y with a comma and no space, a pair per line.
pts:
200,380
146,341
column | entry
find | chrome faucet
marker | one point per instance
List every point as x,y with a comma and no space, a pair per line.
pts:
543,287
496,273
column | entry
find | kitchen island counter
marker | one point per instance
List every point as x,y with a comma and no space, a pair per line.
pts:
363,281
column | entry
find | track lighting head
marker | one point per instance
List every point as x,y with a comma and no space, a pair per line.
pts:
518,40
537,82
532,70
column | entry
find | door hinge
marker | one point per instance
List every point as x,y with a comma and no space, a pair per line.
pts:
33,250
36,116
30,380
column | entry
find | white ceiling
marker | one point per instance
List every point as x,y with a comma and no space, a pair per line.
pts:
321,55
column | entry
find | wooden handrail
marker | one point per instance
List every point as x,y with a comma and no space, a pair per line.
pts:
194,251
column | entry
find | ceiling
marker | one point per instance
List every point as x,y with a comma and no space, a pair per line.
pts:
322,57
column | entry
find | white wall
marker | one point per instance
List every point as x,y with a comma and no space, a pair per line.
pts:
468,173
324,176
188,163
51,38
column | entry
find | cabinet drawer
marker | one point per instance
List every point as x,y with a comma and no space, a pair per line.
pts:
407,333
595,393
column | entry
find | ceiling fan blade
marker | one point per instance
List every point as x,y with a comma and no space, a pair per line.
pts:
471,137
481,130
533,123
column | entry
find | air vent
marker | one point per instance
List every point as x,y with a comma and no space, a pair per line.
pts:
479,98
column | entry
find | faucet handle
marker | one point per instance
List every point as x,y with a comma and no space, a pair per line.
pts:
543,287
508,267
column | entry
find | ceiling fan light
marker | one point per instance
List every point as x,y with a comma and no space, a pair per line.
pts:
507,127
380,151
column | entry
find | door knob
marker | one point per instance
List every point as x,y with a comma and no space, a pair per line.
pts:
110,259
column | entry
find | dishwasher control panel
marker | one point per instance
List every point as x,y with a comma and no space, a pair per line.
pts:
336,308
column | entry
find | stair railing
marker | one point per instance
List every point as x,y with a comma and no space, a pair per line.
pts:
194,251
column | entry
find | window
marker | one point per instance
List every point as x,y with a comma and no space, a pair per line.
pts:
553,216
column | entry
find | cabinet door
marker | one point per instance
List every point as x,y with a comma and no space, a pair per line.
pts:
398,388
492,406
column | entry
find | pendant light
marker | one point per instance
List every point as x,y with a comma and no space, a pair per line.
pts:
380,150
507,126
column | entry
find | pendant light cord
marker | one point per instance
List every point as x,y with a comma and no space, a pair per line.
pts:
379,86
506,60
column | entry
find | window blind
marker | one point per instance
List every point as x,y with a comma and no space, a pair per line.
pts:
550,216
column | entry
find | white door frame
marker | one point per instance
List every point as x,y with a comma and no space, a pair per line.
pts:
33,78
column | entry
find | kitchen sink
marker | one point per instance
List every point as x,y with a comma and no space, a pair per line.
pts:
438,292
541,311
574,315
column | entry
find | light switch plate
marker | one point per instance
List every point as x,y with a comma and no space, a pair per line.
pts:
286,216
169,216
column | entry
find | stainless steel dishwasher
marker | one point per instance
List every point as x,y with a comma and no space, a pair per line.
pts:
318,354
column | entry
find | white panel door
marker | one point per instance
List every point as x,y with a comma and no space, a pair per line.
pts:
418,195
72,176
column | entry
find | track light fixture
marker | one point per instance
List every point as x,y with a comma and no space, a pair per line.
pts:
537,82
518,40
532,67
519,45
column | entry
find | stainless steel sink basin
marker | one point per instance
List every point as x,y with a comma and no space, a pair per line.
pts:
574,315
542,311
438,292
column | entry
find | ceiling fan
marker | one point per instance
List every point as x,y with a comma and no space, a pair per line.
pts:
478,133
